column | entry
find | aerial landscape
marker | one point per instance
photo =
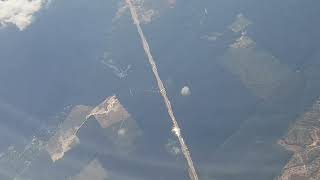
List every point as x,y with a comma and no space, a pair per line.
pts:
159,89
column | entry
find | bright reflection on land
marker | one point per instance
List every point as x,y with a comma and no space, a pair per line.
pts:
65,137
110,114
110,111
120,129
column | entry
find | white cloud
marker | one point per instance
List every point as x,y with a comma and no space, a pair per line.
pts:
18,12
